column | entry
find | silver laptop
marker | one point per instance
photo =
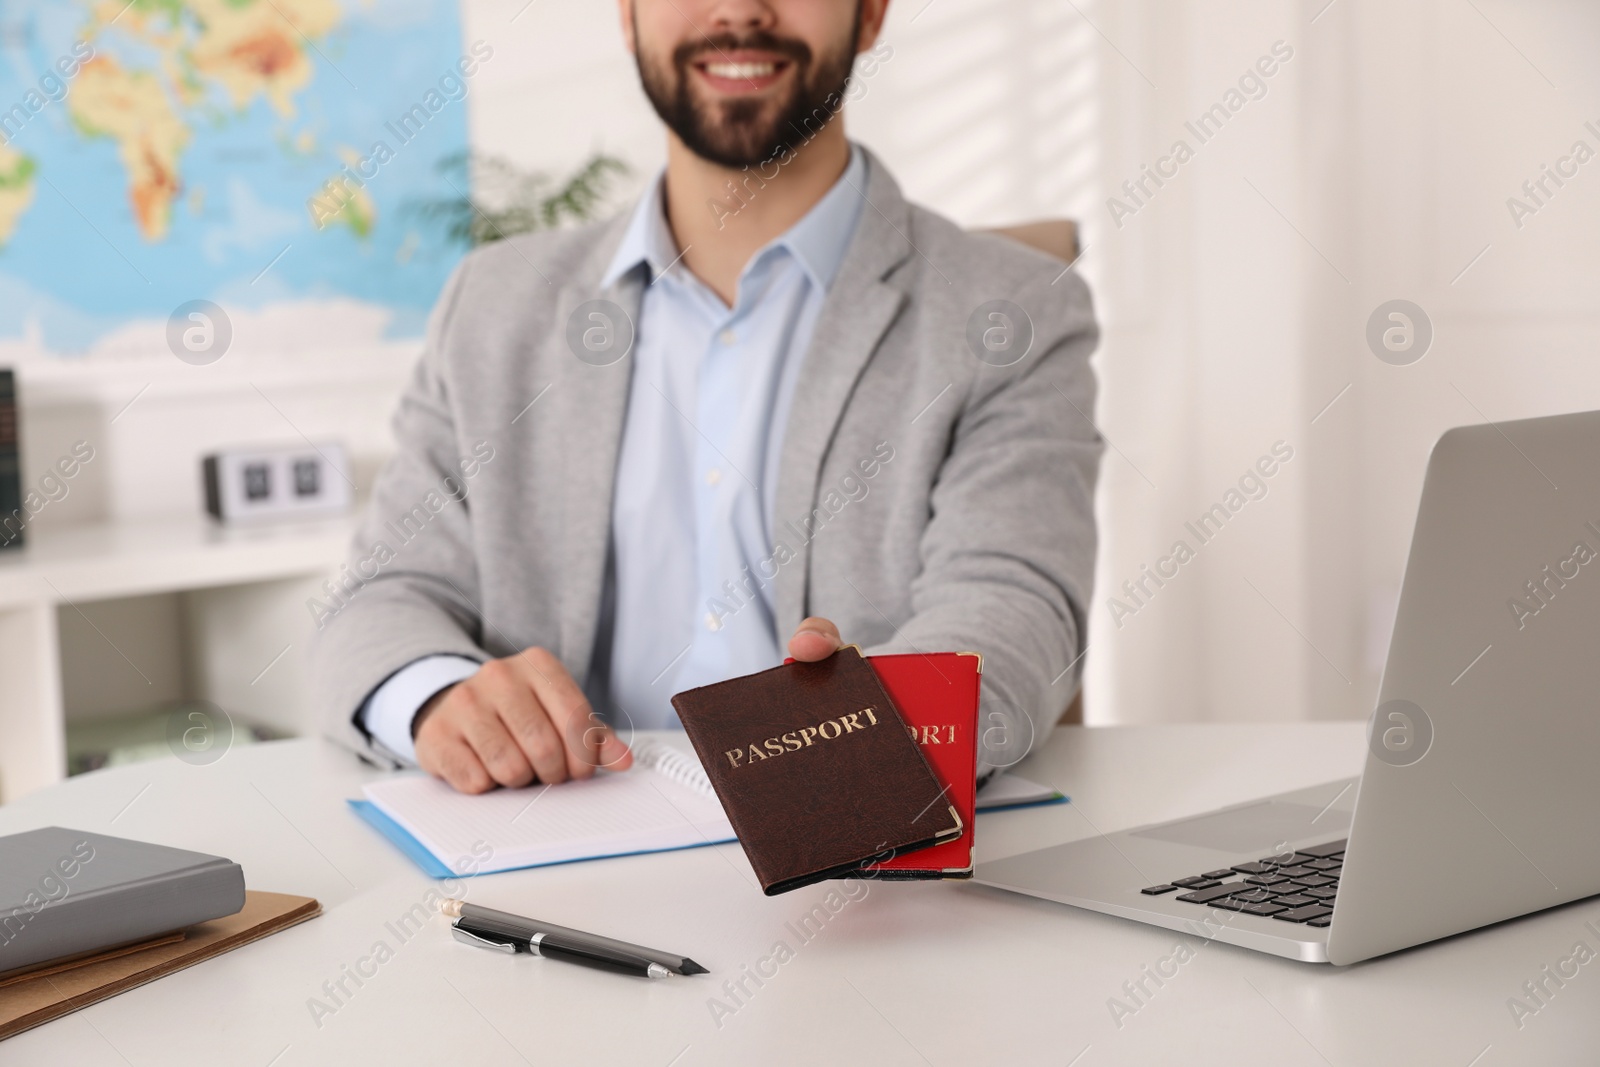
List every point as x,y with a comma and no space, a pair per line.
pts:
1479,795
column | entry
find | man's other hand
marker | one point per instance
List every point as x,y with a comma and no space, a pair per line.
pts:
518,720
814,639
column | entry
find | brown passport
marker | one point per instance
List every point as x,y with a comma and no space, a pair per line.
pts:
815,770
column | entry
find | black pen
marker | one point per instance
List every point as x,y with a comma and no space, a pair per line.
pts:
491,928
556,947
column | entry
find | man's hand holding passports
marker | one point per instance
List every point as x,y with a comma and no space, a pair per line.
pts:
523,719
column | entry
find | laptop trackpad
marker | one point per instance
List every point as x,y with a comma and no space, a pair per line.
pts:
1262,827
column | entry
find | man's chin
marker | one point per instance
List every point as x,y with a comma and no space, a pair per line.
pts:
736,149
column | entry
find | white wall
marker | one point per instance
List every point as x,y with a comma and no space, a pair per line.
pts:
1387,148
151,419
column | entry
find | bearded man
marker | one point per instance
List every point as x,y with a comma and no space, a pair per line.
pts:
771,399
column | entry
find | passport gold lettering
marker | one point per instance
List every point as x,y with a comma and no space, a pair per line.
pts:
804,737
931,734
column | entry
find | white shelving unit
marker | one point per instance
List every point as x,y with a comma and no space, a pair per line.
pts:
241,622
128,597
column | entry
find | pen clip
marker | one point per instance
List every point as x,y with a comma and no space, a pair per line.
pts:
467,937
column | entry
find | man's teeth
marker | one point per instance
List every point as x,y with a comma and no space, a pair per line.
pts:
741,70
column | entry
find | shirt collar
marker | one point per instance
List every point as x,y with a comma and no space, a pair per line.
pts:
818,241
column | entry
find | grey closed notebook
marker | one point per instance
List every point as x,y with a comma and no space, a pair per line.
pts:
67,893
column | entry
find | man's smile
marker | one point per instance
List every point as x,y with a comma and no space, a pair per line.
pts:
741,72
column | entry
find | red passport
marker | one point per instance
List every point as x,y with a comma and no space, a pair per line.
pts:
937,697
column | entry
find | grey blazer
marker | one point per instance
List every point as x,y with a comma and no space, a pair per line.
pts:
927,499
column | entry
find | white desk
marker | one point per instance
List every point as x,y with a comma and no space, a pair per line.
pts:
938,973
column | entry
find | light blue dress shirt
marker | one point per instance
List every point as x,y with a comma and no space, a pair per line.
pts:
689,593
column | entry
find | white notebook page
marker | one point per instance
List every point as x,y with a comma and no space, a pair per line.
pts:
611,814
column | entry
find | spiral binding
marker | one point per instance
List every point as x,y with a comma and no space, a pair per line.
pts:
673,765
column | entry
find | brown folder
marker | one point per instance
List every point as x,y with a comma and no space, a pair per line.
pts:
27,1000
815,769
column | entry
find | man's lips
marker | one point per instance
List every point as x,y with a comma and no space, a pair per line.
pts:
737,73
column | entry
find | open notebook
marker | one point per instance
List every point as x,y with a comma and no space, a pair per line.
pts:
664,803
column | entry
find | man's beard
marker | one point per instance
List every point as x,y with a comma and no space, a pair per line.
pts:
745,133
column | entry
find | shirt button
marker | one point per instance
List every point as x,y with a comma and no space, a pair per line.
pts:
727,337
712,622
713,476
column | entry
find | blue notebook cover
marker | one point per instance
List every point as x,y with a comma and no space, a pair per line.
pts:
400,839
1059,798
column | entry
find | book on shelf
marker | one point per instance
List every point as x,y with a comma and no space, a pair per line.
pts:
12,517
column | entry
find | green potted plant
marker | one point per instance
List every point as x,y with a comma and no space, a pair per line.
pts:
505,200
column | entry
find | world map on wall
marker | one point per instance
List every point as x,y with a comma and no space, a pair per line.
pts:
271,156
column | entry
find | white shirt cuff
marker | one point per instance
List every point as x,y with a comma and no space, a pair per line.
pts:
387,714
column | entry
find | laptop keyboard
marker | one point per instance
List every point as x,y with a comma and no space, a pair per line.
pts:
1297,887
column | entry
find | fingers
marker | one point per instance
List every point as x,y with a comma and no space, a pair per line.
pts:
494,746
610,751
508,718
444,753
814,639
515,721
615,755
580,730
